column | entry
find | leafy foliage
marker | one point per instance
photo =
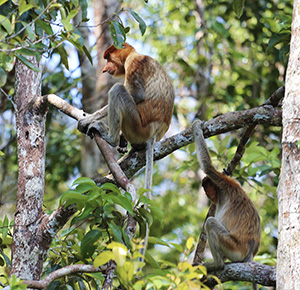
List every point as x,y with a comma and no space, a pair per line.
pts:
230,58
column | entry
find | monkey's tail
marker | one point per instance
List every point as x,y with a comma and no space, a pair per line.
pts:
148,185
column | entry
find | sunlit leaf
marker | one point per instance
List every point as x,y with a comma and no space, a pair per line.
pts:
189,243
103,258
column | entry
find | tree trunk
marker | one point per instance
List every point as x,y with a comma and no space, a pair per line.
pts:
288,263
28,251
95,84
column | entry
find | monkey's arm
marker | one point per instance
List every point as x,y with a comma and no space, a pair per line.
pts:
83,124
203,154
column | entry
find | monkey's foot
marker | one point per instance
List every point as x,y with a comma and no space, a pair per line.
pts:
122,148
213,267
103,130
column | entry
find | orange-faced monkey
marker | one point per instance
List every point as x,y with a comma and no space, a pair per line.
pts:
142,108
234,232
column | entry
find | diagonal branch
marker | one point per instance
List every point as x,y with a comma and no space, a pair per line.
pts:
134,161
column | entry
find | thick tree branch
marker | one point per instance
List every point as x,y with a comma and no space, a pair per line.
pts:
134,161
250,272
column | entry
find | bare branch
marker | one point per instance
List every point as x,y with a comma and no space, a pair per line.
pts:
68,270
77,114
134,161
250,272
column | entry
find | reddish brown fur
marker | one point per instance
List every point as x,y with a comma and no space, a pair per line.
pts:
234,232
143,72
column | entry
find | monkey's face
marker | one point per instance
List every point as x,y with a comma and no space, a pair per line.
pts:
110,68
114,69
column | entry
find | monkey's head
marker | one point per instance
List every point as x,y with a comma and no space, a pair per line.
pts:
210,189
116,59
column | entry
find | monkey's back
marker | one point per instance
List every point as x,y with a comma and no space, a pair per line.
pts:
157,108
240,217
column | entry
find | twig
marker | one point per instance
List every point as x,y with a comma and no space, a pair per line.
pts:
72,269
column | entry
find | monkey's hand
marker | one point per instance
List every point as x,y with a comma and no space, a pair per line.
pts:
122,148
103,130
83,125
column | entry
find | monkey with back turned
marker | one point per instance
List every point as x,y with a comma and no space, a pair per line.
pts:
234,231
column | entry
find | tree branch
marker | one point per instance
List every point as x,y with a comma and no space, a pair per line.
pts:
72,269
134,161
77,114
249,272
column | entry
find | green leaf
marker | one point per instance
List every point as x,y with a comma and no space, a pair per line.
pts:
23,7
45,26
116,231
5,227
146,214
177,247
81,180
72,14
63,57
151,260
219,27
6,24
87,246
189,243
3,79
110,187
87,53
85,187
72,197
1,152
238,7
25,61
157,213
126,272
2,2
155,240
278,38
119,251
141,22
103,258
117,33
29,31
67,25
120,200
84,6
